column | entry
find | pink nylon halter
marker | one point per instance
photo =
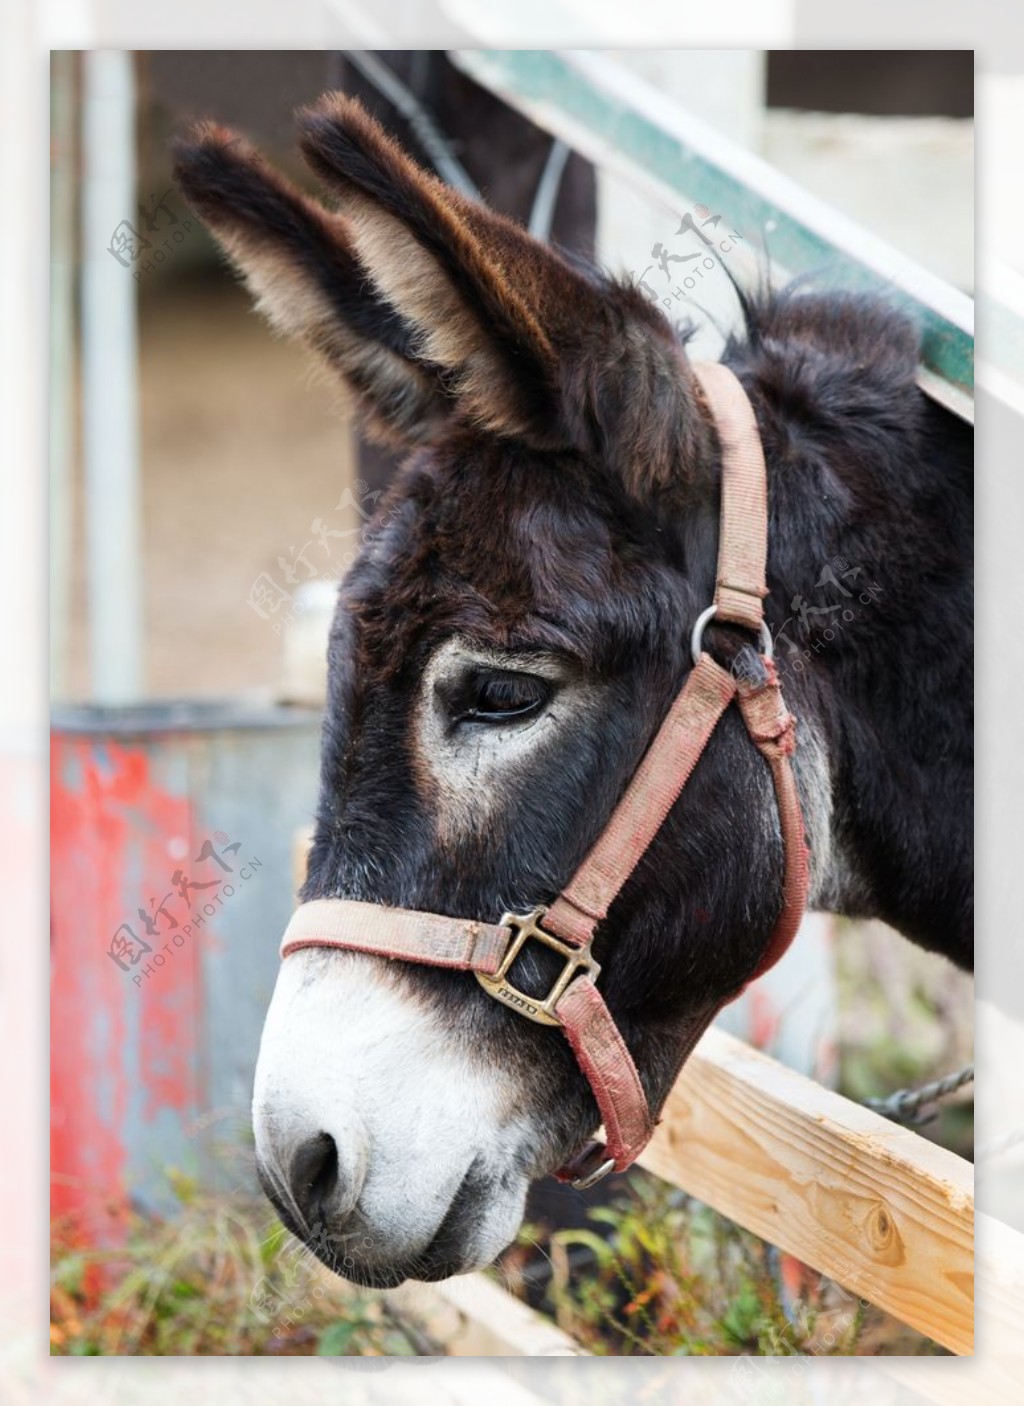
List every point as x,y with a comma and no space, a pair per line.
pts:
574,1002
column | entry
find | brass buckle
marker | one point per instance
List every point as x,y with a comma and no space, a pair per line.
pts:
524,927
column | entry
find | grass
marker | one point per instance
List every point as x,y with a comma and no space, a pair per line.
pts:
651,1273
221,1277
656,1273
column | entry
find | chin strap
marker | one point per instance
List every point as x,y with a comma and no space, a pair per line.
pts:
574,1001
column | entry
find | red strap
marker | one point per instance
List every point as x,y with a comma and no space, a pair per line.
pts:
609,1069
596,1042
641,812
595,1039
773,730
743,518
403,933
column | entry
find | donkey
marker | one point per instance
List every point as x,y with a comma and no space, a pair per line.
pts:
509,639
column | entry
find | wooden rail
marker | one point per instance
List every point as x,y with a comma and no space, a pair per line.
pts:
622,123
475,1317
875,1207
879,1209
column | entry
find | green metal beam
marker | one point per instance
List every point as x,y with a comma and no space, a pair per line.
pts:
616,119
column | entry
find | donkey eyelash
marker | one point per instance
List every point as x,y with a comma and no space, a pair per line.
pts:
499,697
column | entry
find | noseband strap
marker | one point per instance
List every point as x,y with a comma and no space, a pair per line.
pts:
574,1002
406,935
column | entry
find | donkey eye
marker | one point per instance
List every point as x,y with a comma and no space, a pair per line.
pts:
501,697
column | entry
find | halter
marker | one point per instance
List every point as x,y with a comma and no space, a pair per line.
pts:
574,1002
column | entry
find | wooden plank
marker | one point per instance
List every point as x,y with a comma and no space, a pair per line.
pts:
620,122
993,1378
475,1317
883,1212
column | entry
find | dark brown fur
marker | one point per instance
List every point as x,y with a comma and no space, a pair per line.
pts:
563,496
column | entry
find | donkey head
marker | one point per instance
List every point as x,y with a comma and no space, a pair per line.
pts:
503,650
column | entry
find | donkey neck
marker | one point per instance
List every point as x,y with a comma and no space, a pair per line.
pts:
871,607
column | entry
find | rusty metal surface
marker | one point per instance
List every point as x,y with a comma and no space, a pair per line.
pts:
171,884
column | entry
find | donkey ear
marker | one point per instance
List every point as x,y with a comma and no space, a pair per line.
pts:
412,234
299,262
434,307
532,345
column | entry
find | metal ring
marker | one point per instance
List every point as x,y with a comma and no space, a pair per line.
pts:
697,636
585,1182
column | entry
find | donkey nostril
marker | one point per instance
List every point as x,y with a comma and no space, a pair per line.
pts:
314,1174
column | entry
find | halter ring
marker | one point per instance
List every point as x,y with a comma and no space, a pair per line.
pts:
588,1179
706,616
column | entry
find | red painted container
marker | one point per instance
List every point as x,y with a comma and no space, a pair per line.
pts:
171,830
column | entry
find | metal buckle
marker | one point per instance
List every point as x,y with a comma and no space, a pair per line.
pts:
526,926
706,616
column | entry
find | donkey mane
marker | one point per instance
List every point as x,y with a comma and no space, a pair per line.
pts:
865,466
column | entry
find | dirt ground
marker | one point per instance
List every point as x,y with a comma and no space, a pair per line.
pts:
243,444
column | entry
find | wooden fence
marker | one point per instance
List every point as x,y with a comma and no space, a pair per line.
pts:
877,1208
872,1205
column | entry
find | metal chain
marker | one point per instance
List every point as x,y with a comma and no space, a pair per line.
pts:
916,1106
